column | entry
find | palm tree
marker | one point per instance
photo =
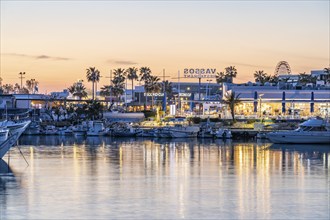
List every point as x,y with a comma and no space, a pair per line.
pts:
132,75
31,85
118,83
8,88
168,89
327,71
105,91
260,76
305,78
17,88
94,109
153,86
231,72
221,77
231,100
145,73
78,90
92,75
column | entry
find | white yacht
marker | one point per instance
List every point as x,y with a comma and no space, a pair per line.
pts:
223,133
80,129
15,130
312,131
3,134
96,128
180,131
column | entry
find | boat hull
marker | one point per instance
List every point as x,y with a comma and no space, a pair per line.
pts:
299,137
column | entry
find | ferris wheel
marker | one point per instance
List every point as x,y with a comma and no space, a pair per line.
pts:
282,68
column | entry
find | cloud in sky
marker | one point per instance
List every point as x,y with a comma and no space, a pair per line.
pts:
39,57
248,65
122,62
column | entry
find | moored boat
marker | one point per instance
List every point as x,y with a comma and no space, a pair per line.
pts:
180,131
13,135
96,128
312,131
223,133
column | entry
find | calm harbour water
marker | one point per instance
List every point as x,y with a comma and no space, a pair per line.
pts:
102,178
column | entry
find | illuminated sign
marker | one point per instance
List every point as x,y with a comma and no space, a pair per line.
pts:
184,94
153,94
199,73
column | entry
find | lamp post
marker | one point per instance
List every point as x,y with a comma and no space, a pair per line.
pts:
260,99
21,77
207,87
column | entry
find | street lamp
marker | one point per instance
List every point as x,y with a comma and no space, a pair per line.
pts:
260,99
207,89
21,77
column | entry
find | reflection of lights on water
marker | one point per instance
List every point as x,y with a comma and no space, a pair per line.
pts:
31,153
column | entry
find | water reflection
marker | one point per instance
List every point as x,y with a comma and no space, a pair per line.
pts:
163,178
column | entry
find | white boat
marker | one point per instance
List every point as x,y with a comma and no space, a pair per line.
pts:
79,130
96,128
64,131
33,129
3,134
180,131
13,135
50,130
163,132
312,131
223,133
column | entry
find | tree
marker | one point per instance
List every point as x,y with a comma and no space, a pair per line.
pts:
93,75
105,91
231,72
7,88
78,90
168,89
221,77
327,71
232,100
94,109
132,75
304,79
145,74
260,76
17,88
31,85
118,83
153,86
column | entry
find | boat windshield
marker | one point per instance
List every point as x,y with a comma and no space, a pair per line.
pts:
310,128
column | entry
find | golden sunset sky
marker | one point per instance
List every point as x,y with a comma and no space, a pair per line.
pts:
55,42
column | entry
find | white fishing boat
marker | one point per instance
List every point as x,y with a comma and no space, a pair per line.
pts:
64,131
163,132
96,128
180,131
223,133
312,131
79,130
50,130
